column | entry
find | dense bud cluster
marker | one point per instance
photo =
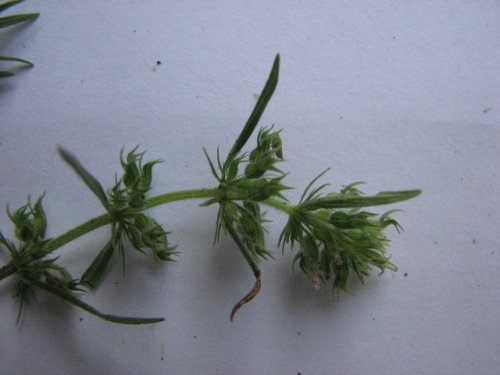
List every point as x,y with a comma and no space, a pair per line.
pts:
336,237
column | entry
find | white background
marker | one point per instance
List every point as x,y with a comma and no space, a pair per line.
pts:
399,94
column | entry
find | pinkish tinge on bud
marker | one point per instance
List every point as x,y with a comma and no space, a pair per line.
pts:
316,283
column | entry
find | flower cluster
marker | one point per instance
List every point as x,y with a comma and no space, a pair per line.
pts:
240,194
125,202
34,269
336,237
29,256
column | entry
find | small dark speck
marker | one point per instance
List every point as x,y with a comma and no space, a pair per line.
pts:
158,62
473,240
162,358
299,333
81,319
373,319
406,274
117,282
492,252
194,337
393,37
134,31
486,110
341,117
435,242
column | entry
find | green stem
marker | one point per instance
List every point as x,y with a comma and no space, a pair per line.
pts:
7,270
161,199
281,205
158,200
79,303
248,257
181,195
253,265
78,231
102,220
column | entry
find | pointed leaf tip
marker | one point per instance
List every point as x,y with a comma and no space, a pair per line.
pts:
260,106
87,178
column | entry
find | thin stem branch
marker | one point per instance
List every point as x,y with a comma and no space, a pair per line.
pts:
248,257
99,221
78,231
158,200
181,195
104,219
280,205
79,303
7,270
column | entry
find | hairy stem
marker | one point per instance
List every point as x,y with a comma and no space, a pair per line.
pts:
108,317
99,221
281,205
181,195
253,265
78,231
102,220
7,270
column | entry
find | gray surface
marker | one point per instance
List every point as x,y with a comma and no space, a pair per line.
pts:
398,95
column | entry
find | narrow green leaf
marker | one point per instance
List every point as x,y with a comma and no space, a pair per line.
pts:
258,110
72,299
4,73
18,18
16,59
243,249
312,183
9,4
147,173
89,180
39,218
212,167
353,201
95,271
